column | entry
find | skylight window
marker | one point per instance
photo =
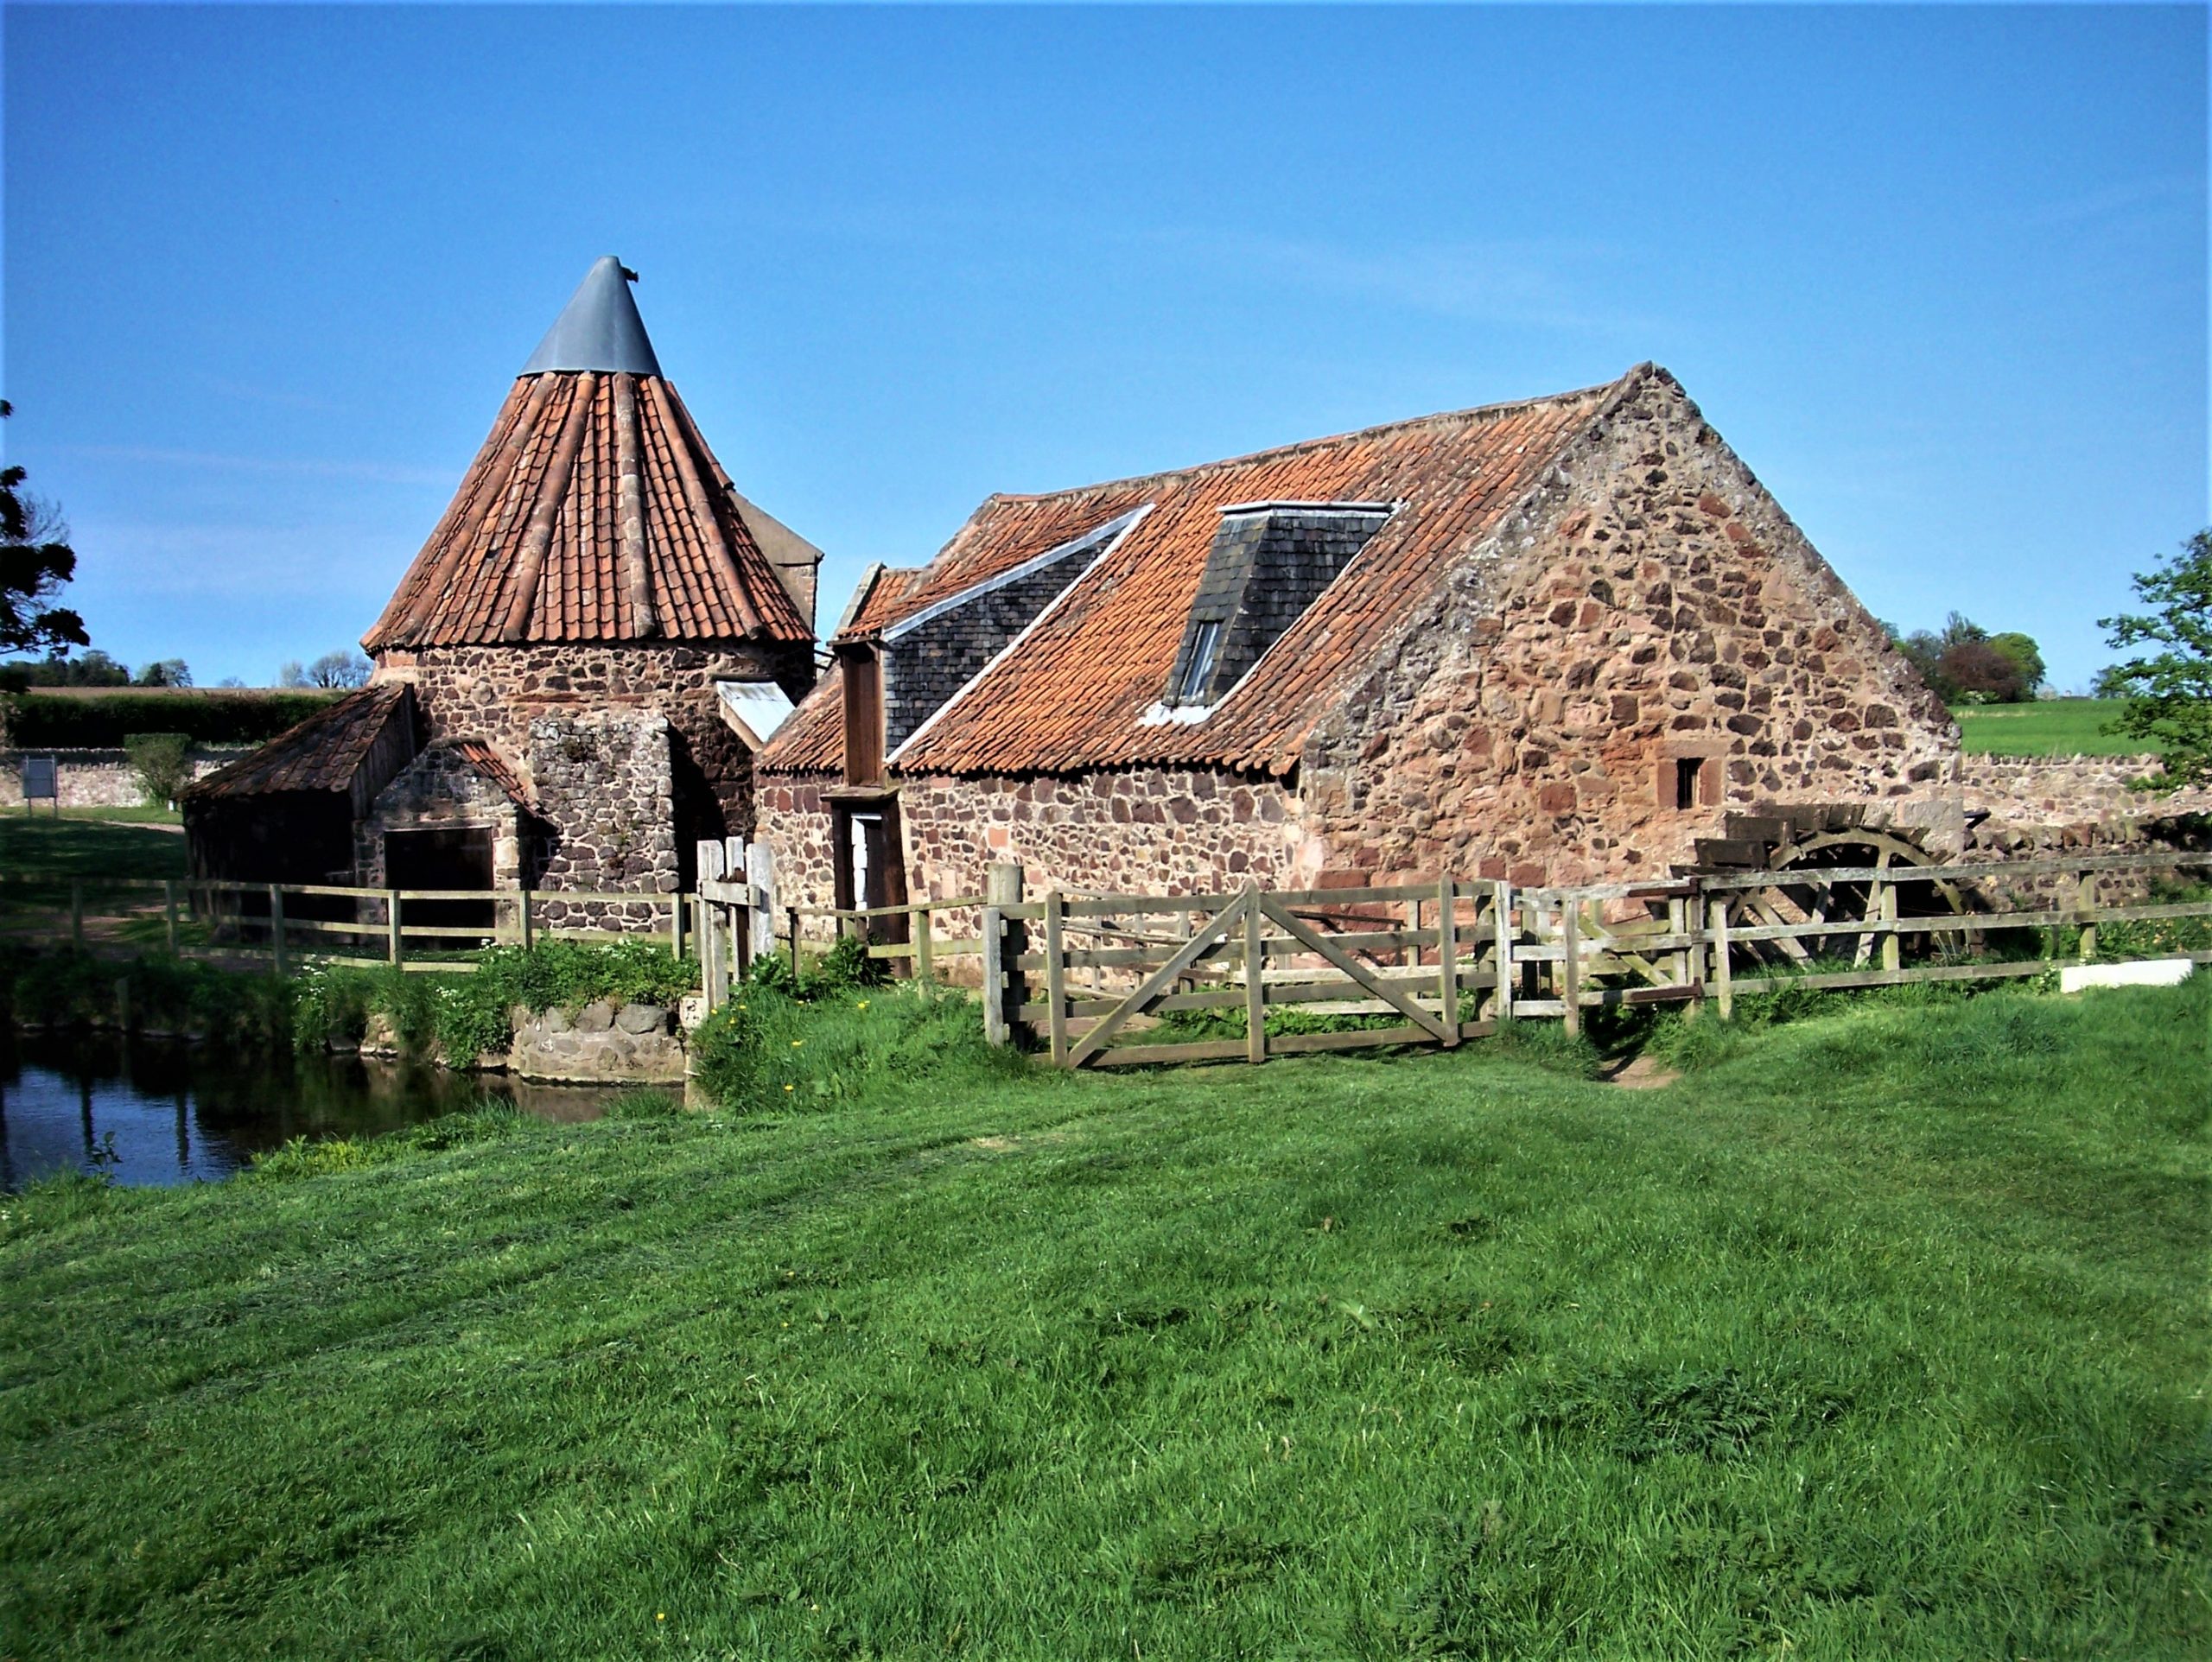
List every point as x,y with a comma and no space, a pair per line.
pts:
1268,563
1198,663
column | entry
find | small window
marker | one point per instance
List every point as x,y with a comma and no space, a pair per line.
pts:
1198,665
1686,772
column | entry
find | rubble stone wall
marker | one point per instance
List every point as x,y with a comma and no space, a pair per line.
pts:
604,804
795,823
2058,803
497,693
440,789
1158,831
97,778
1653,604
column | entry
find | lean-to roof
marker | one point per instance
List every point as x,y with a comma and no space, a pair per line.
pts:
321,753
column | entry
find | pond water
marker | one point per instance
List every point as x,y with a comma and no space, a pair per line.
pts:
177,1113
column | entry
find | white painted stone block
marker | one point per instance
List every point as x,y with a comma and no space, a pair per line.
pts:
2146,972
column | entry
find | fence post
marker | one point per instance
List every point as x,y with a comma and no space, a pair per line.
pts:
760,922
529,929
1501,1008
169,909
76,912
1570,963
1056,977
1717,919
1002,979
1447,955
277,928
925,963
994,977
1256,981
393,949
2085,899
1891,957
675,925
711,859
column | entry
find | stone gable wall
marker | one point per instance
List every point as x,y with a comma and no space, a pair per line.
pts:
1653,604
923,669
438,788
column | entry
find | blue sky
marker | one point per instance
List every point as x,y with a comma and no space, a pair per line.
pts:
1938,274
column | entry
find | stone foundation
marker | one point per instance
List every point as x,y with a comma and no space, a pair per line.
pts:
600,1043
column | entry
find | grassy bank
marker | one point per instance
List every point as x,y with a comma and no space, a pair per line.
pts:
1883,1336
2050,726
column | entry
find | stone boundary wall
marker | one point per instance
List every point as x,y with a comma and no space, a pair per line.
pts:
98,778
2051,803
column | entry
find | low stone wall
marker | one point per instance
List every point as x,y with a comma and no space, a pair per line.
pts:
2047,804
600,1043
97,778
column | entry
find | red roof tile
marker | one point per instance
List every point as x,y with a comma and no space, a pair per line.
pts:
1071,693
542,543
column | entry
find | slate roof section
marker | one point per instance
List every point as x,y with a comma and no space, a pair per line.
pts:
321,753
594,512
1071,694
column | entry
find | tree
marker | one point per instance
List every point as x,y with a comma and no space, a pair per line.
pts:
165,672
342,668
2025,656
2168,685
163,761
1978,672
36,561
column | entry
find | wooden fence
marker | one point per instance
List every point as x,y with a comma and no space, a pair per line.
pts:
290,922
1086,973
1086,976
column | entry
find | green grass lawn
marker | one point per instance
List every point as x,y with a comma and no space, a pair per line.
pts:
79,844
2050,726
1884,1338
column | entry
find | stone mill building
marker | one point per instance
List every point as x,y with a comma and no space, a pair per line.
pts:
573,677
1567,640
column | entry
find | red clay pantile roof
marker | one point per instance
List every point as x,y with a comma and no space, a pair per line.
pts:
321,753
1070,694
495,767
593,512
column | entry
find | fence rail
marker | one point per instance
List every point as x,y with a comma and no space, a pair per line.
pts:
1092,977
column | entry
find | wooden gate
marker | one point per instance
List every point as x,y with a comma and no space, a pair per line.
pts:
1333,952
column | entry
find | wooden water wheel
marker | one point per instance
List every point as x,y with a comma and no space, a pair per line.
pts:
1850,900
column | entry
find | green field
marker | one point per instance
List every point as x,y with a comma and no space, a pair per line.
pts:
1882,1337
2050,726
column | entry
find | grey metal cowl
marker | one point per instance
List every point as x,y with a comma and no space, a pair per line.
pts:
599,329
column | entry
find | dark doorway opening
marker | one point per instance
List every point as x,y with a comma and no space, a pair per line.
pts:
449,856
871,868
